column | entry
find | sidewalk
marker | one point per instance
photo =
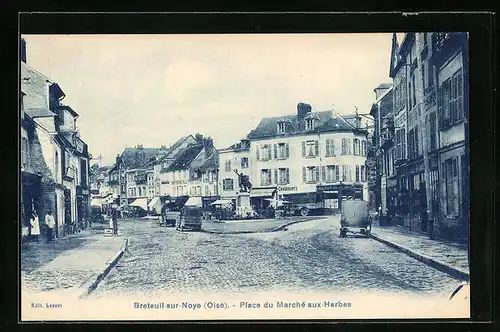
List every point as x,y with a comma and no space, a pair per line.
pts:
445,256
68,263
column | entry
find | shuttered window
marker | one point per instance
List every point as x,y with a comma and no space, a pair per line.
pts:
330,147
284,176
310,149
357,174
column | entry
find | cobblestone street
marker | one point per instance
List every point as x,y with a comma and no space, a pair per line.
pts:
306,256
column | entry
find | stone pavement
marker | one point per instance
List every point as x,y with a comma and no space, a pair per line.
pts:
67,263
446,256
252,226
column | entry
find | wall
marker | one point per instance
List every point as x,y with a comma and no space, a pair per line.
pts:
235,158
296,161
36,88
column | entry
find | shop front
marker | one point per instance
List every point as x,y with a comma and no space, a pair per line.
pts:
30,195
259,197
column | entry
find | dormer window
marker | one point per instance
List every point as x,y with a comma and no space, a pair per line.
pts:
282,124
281,128
310,124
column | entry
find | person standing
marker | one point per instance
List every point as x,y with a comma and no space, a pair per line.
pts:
50,222
35,226
114,216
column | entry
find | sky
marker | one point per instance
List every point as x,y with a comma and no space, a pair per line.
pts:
153,89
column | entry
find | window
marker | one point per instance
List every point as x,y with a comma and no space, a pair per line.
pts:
281,127
265,177
346,146
310,174
356,147
357,174
265,152
310,149
284,176
24,151
422,72
450,100
331,173
228,165
227,184
330,147
281,151
345,173
310,124
363,173
244,162
451,178
432,131
198,191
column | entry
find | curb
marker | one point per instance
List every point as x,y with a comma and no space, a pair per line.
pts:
454,272
89,287
279,228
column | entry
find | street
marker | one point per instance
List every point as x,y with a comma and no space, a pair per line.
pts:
306,256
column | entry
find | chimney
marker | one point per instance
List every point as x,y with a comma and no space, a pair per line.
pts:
163,147
139,146
117,159
23,50
381,89
302,110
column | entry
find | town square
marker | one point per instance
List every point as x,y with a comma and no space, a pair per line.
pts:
229,164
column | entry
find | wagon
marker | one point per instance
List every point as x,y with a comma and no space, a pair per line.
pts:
354,216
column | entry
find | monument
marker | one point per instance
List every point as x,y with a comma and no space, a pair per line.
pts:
243,206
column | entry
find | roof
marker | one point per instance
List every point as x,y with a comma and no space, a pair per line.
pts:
185,158
137,157
171,149
69,109
39,112
268,126
383,86
212,162
98,172
384,94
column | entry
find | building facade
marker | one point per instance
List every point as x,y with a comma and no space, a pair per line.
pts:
429,72
307,158
235,158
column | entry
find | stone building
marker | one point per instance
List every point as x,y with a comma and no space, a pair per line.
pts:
307,157
429,72
54,152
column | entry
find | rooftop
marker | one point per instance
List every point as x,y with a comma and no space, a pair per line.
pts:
186,158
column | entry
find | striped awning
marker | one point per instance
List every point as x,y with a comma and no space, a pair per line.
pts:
262,192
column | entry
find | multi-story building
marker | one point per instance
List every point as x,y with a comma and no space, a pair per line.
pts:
451,61
429,71
235,158
55,153
382,112
307,157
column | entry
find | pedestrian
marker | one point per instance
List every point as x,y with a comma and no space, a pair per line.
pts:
114,216
49,221
35,226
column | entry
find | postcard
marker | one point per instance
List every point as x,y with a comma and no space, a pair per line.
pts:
188,177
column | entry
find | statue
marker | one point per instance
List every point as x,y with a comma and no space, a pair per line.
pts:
244,182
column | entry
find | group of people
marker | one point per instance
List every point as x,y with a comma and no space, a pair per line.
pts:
35,226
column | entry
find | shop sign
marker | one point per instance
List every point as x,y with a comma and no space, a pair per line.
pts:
287,189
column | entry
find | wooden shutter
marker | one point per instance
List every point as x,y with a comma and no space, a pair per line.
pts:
316,171
275,176
332,147
287,150
275,147
287,172
323,173
337,173
269,152
258,151
327,147
349,146
269,177
460,95
303,149
304,175
316,148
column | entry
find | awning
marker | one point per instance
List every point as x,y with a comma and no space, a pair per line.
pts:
262,192
154,201
194,201
222,202
140,202
96,202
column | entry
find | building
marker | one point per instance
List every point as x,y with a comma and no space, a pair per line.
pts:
56,159
429,72
235,158
307,157
380,156
451,62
